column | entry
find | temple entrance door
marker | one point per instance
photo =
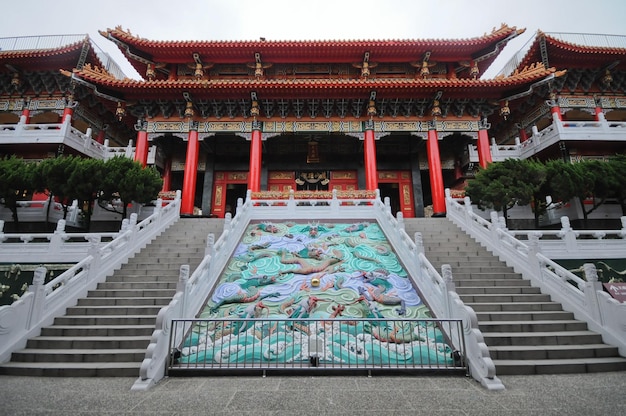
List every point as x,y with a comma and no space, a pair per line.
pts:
344,180
280,181
397,186
227,188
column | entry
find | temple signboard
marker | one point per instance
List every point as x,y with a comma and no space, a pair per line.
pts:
616,290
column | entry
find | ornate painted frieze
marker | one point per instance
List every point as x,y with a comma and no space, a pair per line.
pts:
577,102
312,126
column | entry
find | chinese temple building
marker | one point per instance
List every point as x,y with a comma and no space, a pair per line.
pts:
407,117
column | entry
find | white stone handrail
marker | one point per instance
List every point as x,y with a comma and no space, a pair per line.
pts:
584,298
601,130
568,243
59,246
45,301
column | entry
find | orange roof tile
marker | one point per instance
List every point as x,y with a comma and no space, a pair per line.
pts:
331,88
139,50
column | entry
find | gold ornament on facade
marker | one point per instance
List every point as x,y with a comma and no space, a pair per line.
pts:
371,108
15,81
474,71
607,79
150,73
120,111
255,110
436,111
189,113
505,111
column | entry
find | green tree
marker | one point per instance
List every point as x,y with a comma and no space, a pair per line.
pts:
16,181
503,185
86,182
593,179
126,181
52,177
618,164
560,185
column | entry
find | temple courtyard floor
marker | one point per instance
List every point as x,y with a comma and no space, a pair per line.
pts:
545,395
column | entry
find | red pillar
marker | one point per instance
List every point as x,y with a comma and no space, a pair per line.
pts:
141,148
254,178
67,112
369,150
436,174
484,151
522,135
599,114
190,174
167,174
101,136
26,115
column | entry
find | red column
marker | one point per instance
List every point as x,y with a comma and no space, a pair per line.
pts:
190,174
101,136
369,150
484,151
167,174
522,135
67,112
141,148
599,114
436,174
254,178
26,115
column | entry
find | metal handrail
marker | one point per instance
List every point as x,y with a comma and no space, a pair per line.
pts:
316,344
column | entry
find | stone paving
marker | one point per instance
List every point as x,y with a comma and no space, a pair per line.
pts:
545,395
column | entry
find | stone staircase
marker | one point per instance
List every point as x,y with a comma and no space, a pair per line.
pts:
106,333
525,331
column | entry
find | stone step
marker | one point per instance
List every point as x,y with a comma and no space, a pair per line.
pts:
121,277
69,369
501,283
77,355
492,290
138,285
85,342
117,310
97,330
533,326
105,320
131,293
552,352
504,298
524,316
117,301
514,307
560,366
542,338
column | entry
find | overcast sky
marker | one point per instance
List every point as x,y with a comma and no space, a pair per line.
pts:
309,20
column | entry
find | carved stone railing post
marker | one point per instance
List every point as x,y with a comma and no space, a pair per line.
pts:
94,252
533,249
495,226
567,234
419,243
446,274
182,287
210,245
39,291
591,288
400,221
56,240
